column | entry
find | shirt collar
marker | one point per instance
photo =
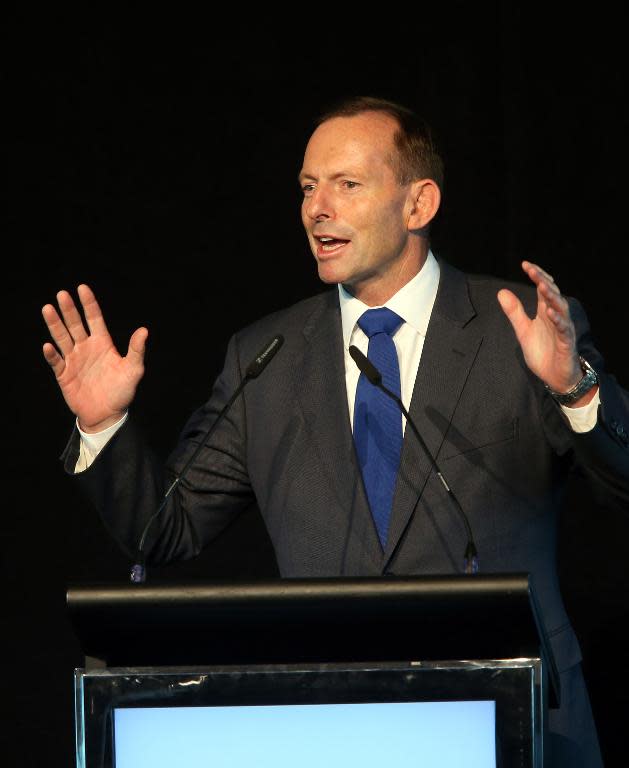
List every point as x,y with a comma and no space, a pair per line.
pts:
413,302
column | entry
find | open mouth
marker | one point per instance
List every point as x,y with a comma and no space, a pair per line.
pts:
329,244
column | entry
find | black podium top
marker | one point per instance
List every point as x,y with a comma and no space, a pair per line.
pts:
310,620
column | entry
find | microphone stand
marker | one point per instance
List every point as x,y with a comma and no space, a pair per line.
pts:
138,570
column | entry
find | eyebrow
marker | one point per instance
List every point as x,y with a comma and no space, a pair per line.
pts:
339,174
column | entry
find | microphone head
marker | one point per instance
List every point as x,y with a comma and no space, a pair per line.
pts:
264,357
138,574
365,366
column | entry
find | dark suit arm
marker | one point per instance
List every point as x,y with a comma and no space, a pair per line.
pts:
127,481
603,452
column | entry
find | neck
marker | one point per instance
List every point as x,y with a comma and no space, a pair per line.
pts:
379,289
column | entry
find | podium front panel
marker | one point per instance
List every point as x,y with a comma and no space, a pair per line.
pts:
481,714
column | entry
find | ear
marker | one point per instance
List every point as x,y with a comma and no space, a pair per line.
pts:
424,201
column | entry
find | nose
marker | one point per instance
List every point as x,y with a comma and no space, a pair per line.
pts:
318,205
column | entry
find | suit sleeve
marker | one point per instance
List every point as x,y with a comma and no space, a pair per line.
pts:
127,481
602,454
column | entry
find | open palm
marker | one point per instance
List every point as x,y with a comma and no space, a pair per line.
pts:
98,384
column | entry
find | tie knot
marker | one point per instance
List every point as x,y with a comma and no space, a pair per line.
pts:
381,320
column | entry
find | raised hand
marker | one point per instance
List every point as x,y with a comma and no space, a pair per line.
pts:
97,383
548,340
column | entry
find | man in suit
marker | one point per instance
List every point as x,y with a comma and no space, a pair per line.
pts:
504,385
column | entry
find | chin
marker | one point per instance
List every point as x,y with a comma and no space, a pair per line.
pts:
329,275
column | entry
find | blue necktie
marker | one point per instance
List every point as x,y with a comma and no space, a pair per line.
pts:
377,419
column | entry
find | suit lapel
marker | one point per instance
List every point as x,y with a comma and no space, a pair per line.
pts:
449,351
320,385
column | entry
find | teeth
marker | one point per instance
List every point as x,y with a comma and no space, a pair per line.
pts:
326,239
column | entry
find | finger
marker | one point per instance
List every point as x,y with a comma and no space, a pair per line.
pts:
513,309
93,315
54,359
71,316
535,272
137,346
547,291
57,329
543,282
553,298
562,322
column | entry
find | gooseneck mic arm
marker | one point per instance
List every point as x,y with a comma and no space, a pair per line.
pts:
470,559
255,368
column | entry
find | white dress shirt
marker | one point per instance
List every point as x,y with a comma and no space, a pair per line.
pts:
413,303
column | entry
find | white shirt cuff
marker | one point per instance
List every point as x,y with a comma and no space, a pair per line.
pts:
92,443
583,419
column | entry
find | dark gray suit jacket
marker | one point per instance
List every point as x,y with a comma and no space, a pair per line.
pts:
502,443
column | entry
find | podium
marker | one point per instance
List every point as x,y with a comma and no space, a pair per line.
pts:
337,669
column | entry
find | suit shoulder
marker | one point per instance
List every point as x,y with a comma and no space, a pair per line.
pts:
484,288
289,321
483,284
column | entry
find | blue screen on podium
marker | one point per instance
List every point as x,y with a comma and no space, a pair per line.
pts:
448,734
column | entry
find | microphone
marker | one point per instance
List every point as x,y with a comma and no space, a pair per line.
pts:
253,370
470,558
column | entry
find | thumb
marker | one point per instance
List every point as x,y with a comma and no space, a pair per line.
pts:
513,309
137,346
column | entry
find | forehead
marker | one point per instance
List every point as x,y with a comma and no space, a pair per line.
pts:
341,143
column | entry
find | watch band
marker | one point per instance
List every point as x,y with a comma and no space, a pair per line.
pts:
589,380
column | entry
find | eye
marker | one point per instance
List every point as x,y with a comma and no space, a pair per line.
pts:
307,189
349,184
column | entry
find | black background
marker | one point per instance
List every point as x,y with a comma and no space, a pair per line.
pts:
156,159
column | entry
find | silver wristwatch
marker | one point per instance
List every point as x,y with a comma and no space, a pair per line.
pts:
589,380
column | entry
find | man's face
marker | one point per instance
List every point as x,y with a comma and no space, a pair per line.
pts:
354,210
